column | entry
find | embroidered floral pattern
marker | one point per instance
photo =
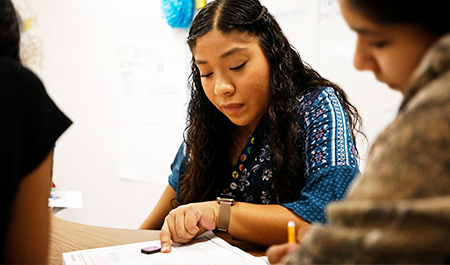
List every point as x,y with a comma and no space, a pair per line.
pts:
267,174
320,133
318,113
319,156
265,198
248,198
265,154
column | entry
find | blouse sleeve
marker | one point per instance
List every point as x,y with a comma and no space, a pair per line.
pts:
178,167
31,122
331,162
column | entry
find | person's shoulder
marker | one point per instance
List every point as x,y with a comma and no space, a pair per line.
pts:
328,92
17,79
12,67
6,63
318,96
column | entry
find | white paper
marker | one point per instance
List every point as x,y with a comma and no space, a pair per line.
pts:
66,199
206,249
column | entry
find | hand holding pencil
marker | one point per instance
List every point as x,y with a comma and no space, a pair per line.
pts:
276,252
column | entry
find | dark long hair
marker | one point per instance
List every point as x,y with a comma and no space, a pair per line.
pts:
209,132
432,14
9,32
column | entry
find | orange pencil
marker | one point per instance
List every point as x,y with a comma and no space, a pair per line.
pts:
291,232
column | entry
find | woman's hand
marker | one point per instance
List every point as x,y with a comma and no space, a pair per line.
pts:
276,253
182,224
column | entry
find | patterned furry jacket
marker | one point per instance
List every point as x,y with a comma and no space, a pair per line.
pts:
398,210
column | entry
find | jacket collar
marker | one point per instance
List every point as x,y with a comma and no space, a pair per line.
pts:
435,62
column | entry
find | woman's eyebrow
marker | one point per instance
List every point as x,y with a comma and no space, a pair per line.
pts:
199,61
225,54
234,50
365,31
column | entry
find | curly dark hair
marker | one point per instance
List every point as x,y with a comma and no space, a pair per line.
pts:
209,132
9,32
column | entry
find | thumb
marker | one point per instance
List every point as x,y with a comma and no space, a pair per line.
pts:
207,217
164,237
207,223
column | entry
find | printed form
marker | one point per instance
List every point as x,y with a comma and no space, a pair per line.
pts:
205,249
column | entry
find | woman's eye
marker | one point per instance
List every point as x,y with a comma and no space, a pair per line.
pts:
238,67
378,44
207,75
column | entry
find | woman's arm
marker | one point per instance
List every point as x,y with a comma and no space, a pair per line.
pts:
256,223
156,218
27,236
263,224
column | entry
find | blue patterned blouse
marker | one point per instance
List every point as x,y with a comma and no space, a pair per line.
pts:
329,151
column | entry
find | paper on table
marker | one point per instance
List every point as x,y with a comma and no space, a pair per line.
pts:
66,199
205,249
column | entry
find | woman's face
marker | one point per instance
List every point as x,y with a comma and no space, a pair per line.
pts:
235,76
391,51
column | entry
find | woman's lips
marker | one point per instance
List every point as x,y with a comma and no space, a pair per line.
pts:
232,108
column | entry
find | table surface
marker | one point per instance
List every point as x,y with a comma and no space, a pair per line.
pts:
66,236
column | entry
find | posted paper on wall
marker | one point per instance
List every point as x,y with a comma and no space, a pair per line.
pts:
153,102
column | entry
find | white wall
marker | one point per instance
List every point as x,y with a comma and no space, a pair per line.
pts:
81,73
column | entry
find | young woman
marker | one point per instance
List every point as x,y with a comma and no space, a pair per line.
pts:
264,129
398,210
30,126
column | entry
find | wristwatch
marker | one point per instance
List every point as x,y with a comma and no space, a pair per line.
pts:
224,212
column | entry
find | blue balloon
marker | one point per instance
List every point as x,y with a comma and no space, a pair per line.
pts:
178,13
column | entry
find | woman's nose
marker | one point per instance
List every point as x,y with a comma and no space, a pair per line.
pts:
223,86
363,59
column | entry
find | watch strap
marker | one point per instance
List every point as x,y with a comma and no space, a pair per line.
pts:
224,213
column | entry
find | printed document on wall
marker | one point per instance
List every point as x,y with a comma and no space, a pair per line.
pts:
153,107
